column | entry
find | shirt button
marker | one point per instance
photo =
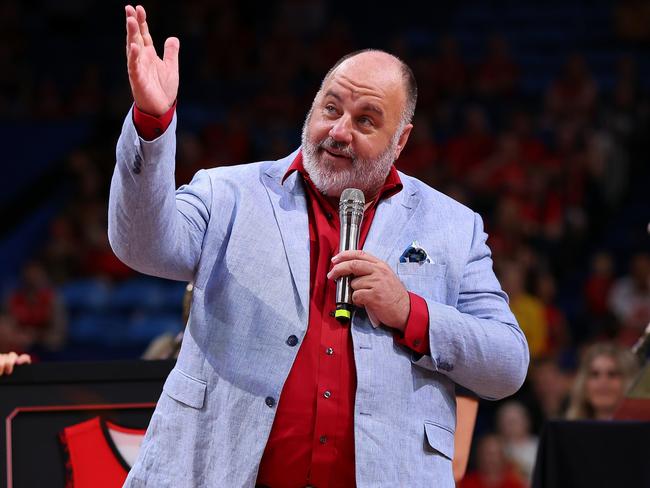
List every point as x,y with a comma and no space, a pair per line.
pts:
327,394
292,340
270,401
329,351
323,439
329,215
416,342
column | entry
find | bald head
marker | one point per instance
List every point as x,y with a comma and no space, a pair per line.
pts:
380,65
358,123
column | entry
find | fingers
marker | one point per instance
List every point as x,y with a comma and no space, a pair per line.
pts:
362,298
170,55
137,29
24,359
133,52
132,29
363,282
355,267
358,254
7,362
141,16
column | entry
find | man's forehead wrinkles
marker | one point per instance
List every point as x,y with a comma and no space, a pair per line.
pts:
359,89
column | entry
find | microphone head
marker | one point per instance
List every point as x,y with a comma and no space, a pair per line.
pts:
352,196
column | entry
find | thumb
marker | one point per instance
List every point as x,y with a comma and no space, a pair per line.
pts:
170,55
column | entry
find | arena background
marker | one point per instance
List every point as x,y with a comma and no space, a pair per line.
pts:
535,114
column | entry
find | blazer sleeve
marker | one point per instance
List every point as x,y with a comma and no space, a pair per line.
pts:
151,227
478,343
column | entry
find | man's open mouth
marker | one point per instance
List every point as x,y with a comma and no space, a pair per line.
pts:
336,154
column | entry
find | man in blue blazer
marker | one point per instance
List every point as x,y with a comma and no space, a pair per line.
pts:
243,235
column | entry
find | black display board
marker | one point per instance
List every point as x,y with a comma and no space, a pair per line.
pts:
38,401
593,454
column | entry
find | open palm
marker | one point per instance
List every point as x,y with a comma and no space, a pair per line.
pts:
154,81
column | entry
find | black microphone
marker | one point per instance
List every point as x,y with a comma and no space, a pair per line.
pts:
351,207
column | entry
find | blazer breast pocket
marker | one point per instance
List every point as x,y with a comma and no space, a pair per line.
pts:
185,389
424,279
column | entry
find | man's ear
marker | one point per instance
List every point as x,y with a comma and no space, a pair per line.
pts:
404,136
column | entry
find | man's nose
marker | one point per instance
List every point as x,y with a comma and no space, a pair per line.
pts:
341,131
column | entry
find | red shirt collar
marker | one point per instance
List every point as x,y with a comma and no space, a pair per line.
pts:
392,185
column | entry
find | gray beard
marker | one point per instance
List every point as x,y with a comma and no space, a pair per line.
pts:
367,175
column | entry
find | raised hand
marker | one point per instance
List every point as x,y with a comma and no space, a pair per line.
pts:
154,81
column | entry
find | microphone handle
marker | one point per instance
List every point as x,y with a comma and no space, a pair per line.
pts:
349,242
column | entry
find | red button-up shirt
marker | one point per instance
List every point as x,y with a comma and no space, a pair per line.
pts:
312,438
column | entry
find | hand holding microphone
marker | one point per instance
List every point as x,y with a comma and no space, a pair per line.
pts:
364,280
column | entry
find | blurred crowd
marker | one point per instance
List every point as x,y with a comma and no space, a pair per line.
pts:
555,172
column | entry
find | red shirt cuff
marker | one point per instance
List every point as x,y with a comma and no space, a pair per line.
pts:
150,127
416,332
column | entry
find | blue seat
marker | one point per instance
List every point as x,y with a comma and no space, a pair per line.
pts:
138,294
92,328
144,328
82,296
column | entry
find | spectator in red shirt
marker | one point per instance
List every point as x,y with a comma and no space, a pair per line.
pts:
450,71
420,156
497,74
503,171
573,95
558,333
492,467
465,152
598,285
532,149
37,308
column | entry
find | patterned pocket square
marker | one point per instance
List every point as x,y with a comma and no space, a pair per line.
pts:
414,254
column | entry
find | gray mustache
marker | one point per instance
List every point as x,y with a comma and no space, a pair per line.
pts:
339,147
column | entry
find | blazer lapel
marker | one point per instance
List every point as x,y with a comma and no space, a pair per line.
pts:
387,232
290,209
389,229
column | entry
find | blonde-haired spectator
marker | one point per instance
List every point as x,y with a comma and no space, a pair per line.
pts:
606,372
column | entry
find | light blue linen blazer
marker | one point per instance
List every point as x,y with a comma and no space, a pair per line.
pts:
241,235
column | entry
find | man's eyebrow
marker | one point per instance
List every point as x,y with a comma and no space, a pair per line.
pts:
373,108
330,93
368,107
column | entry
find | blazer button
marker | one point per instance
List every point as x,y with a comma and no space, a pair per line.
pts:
292,340
136,170
270,402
